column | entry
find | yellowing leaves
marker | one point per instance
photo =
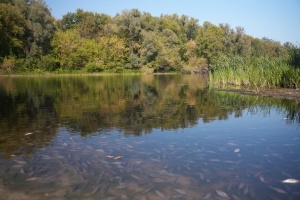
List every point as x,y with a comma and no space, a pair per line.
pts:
74,51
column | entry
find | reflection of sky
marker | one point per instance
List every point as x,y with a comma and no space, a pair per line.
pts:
264,141
255,134
248,123
237,151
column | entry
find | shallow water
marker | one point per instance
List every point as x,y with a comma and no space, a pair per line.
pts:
144,137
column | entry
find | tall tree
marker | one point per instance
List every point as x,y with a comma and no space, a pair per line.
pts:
192,61
149,22
150,47
39,27
68,49
130,26
11,30
89,24
111,51
129,23
191,29
168,58
209,42
70,20
228,39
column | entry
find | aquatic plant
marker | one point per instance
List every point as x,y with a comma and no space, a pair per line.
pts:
255,72
294,54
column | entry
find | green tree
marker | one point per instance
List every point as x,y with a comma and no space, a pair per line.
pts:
169,22
149,23
191,28
257,48
88,24
129,24
192,61
71,49
11,31
150,47
39,27
111,51
188,27
273,48
70,20
209,42
129,28
88,27
168,58
228,39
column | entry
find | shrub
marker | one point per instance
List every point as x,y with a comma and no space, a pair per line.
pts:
48,63
8,64
94,67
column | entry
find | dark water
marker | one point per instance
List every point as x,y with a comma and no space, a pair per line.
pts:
144,137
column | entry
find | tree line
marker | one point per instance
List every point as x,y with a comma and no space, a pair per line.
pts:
33,40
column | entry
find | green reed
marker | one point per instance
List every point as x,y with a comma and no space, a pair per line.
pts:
255,72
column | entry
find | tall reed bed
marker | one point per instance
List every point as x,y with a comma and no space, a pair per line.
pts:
255,72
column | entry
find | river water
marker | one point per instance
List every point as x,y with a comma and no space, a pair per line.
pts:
144,137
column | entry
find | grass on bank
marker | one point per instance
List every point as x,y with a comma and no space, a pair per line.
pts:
257,72
262,72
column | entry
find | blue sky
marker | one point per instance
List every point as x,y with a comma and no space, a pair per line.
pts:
276,19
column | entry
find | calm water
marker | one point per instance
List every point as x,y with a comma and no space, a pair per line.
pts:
144,137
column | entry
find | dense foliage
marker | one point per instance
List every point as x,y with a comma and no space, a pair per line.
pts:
33,40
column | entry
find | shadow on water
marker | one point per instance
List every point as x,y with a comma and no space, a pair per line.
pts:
144,137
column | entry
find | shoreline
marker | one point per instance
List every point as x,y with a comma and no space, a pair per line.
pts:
279,93
86,74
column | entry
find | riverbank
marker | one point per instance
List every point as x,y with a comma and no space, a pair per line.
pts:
280,93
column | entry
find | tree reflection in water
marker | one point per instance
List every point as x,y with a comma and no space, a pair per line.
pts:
143,137
133,104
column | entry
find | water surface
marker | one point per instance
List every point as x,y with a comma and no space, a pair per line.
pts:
144,137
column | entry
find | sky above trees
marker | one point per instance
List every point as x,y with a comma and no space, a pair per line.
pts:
274,19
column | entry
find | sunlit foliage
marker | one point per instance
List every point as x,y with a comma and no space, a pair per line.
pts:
83,41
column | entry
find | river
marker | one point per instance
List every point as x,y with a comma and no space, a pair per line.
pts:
144,137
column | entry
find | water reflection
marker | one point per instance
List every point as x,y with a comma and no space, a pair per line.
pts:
75,138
